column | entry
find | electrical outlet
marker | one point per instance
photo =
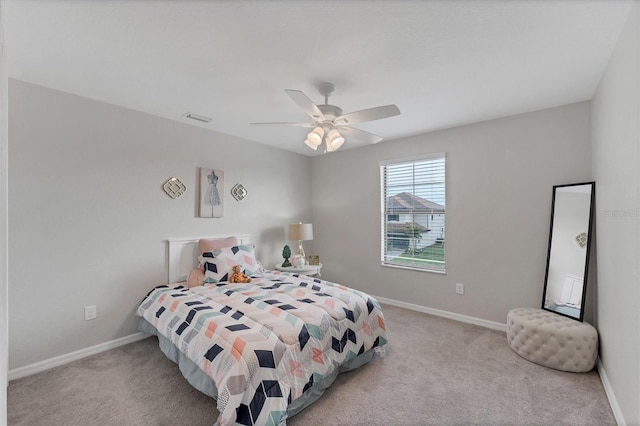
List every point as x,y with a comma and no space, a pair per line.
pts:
460,288
90,312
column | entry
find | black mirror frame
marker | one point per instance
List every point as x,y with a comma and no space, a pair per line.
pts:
587,254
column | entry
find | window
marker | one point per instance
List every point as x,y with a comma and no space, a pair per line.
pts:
413,213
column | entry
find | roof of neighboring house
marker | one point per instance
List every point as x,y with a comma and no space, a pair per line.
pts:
401,228
405,202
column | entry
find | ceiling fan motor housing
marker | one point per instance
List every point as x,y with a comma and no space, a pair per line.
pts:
330,112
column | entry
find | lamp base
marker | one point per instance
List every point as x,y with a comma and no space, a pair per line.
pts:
301,249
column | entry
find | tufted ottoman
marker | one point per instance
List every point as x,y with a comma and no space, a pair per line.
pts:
552,340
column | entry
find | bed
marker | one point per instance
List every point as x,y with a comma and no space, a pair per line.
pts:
265,349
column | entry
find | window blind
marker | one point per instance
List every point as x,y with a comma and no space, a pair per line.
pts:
413,213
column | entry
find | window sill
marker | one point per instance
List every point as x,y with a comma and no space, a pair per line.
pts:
412,268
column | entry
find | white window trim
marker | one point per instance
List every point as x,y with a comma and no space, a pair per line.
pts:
414,159
398,161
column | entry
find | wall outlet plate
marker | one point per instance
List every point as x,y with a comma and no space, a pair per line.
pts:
90,312
460,288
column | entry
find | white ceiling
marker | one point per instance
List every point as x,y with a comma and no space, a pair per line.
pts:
443,63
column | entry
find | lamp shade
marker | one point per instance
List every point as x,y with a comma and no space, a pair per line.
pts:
334,140
337,143
314,138
301,231
311,145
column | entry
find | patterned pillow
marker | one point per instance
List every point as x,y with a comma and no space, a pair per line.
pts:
218,264
211,244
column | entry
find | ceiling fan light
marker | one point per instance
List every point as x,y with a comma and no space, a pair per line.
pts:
334,140
315,136
311,145
337,143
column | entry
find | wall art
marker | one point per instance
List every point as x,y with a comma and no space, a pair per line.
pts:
174,187
239,192
211,192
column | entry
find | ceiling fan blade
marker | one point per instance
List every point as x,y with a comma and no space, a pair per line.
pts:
361,135
284,124
369,114
306,104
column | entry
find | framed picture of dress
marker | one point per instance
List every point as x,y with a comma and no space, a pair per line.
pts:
211,192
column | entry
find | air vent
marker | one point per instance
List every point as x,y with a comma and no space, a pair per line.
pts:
196,117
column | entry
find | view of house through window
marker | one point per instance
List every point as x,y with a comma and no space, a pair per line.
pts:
413,212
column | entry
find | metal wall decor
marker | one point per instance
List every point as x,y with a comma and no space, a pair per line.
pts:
174,187
582,239
239,192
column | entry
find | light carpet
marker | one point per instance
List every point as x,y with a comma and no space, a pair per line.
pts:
435,372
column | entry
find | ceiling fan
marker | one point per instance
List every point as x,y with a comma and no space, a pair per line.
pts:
328,122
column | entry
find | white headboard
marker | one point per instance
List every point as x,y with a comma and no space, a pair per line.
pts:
183,256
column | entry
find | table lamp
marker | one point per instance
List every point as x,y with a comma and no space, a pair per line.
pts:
301,232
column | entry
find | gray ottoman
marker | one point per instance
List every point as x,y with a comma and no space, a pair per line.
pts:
552,340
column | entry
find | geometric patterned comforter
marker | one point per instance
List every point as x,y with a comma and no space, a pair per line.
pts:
264,343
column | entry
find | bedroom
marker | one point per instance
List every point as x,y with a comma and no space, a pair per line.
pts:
100,212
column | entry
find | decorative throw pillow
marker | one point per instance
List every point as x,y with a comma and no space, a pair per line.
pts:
195,278
212,244
218,264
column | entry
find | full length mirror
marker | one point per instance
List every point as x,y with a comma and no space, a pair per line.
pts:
569,246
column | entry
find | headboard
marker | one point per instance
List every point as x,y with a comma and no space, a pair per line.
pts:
183,255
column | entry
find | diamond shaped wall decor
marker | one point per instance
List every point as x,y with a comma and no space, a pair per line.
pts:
174,187
581,239
239,192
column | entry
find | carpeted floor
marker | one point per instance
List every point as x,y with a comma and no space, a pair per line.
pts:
435,372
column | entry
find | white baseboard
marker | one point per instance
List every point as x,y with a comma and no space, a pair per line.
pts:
608,390
37,367
445,314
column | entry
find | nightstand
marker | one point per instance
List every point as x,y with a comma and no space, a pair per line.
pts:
311,270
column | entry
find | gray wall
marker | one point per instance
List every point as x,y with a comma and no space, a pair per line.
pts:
88,217
616,169
4,219
500,175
